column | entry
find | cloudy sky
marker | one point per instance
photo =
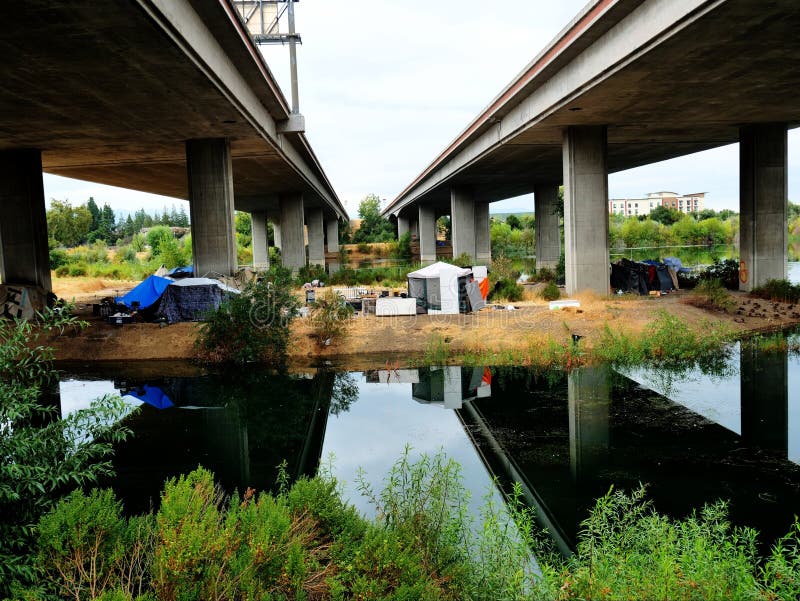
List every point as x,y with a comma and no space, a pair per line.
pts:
385,85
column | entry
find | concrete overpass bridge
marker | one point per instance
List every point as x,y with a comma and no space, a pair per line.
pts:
626,83
164,96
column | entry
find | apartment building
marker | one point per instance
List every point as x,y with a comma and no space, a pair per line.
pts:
630,207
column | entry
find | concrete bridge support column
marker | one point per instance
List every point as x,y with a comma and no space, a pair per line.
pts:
315,225
589,392
763,202
586,209
332,235
403,226
483,238
260,241
292,232
276,230
208,162
24,254
765,399
548,237
462,216
427,234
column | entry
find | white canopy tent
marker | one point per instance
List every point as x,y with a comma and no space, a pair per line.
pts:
439,288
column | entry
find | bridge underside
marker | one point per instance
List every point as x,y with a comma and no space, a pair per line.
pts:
111,92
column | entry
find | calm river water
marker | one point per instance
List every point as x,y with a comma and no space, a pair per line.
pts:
692,437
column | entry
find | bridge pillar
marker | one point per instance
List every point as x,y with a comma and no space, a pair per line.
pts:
763,202
332,234
483,237
208,162
586,209
315,226
276,230
765,399
260,242
403,225
589,393
427,234
24,254
462,216
548,237
292,232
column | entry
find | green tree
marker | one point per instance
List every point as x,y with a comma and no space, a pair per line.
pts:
513,222
183,218
43,456
67,224
156,236
95,212
665,215
374,227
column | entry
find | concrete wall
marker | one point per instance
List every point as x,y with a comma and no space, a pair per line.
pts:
208,162
332,235
402,226
548,237
763,204
23,224
293,246
585,210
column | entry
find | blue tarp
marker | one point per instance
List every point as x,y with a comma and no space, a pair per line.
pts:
146,293
152,395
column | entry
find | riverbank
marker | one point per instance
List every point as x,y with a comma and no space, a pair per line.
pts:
375,341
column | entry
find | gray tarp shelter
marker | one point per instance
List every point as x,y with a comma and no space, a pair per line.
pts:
440,288
190,299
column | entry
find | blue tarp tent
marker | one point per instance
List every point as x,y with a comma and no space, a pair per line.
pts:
152,395
146,293
186,271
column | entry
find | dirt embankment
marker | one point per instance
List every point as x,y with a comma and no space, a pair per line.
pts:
373,341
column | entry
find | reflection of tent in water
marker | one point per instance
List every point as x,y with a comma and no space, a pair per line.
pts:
452,385
152,395
190,299
147,294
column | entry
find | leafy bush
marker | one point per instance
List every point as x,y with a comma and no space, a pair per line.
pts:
156,235
551,292
58,258
364,248
43,456
778,290
309,273
401,249
330,316
253,325
545,274
507,289
77,270
712,295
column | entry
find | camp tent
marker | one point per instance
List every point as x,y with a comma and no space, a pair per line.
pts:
146,294
186,271
189,299
440,288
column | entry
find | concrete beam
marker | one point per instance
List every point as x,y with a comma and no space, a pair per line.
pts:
462,216
332,235
586,209
293,244
208,163
483,237
763,203
24,254
548,237
427,234
260,242
315,225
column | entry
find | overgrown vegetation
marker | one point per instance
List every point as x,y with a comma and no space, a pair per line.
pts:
778,290
43,456
711,294
330,316
304,542
253,325
551,292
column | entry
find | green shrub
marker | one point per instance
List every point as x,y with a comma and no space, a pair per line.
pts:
43,456
77,270
508,290
462,260
156,235
551,292
58,258
401,250
364,248
309,273
545,274
138,242
712,295
253,325
330,316
436,350
778,290
62,271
